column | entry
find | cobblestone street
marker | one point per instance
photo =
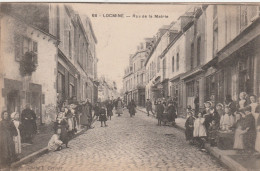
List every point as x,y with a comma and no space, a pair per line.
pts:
128,144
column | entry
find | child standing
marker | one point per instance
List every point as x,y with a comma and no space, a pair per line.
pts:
55,142
212,132
199,132
17,139
189,125
102,116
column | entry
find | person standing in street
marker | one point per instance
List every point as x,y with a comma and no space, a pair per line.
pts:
119,106
29,128
160,110
148,106
110,107
171,111
7,147
131,108
102,116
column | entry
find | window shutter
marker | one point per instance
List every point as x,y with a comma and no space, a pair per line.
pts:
18,39
35,50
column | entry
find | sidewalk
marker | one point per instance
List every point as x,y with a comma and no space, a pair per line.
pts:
39,146
237,162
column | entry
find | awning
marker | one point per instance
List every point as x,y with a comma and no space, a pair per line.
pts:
176,78
192,73
212,63
246,36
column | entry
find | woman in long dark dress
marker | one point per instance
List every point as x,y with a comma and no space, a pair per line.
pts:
189,125
131,108
7,147
110,107
96,109
160,110
171,111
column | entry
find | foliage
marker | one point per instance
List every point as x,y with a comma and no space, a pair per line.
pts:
28,63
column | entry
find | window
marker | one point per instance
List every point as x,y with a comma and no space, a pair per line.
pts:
178,62
215,42
70,44
190,89
71,86
198,51
215,31
164,68
191,55
173,64
35,50
24,44
158,64
142,63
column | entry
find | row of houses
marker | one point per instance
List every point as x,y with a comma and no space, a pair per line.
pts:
47,56
211,51
107,89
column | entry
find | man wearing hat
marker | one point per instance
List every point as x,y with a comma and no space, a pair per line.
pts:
148,106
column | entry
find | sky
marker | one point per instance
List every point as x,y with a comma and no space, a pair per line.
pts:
118,37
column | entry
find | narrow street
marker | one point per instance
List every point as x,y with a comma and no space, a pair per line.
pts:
128,144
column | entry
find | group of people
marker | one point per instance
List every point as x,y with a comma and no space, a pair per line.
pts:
166,110
14,131
76,115
240,119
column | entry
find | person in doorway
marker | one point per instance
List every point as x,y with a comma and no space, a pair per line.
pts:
227,120
28,120
7,147
230,103
148,106
17,139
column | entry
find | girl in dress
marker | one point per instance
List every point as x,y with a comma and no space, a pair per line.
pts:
55,144
199,132
242,102
239,132
17,139
227,120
